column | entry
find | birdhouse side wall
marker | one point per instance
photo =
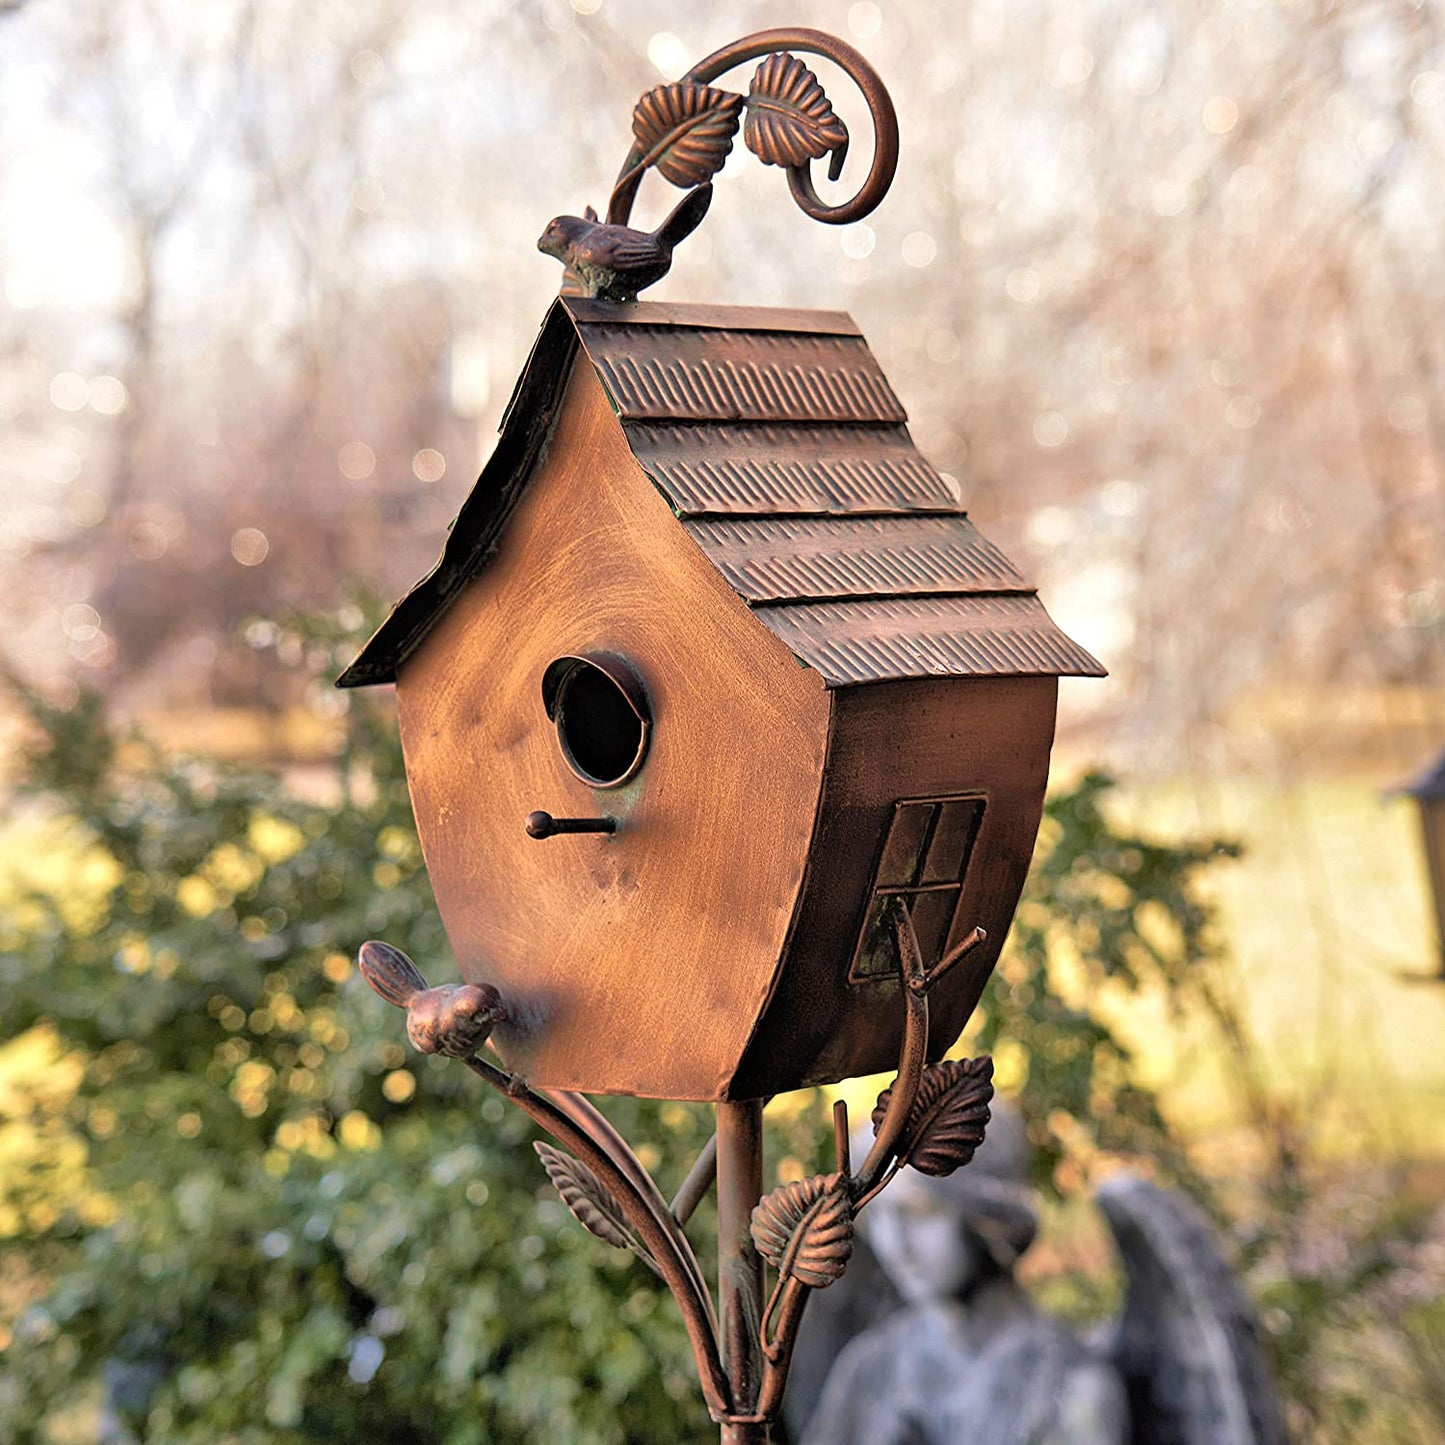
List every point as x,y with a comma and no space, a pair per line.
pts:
636,963
983,742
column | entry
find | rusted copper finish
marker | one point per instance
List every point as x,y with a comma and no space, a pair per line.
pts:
397,980
962,636
694,559
541,824
454,1020
736,416
739,1264
933,1116
708,598
637,963
796,471
694,1189
716,375
790,119
684,130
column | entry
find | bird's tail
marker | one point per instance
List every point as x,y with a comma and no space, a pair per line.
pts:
686,216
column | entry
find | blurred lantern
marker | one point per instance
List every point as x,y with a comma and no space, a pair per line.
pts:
1428,791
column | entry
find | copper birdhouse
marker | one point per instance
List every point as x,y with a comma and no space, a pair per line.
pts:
727,736
708,595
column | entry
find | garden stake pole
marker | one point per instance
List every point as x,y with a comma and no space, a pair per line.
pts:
740,1267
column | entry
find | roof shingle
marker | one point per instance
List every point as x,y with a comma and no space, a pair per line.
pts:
782,450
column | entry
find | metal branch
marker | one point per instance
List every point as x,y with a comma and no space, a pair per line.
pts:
676,1267
589,1118
693,1190
911,1057
575,1123
788,1302
800,179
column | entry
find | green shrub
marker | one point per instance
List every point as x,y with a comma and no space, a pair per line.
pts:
246,1212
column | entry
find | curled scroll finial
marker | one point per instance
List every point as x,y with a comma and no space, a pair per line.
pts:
789,122
685,130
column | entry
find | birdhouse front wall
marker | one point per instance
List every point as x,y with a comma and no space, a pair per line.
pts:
640,962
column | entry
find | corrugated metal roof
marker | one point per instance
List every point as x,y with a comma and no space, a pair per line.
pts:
812,558
761,470
676,373
782,449
874,641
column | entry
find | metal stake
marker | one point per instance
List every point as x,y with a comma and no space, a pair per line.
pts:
740,1267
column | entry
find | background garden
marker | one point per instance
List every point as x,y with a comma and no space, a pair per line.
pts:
1155,283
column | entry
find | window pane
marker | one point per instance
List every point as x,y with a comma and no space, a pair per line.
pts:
932,916
953,841
877,954
903,852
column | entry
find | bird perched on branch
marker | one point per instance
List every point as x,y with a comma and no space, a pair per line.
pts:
616,262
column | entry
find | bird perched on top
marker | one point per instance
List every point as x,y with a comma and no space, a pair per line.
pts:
616,262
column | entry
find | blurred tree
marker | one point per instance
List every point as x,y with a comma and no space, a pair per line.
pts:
1153,282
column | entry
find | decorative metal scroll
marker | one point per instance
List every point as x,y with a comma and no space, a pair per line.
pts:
684,131
932,1116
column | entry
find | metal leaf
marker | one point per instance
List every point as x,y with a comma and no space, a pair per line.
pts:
686,130
588,1198
790,120
947,1121
805,1230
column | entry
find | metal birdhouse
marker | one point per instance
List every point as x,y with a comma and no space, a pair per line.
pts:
727,732
709,595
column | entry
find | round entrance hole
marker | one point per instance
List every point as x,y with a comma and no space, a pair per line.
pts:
600,712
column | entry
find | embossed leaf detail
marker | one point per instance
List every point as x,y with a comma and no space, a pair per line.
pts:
805,1230
686,130
590,1201
790,120
948,1118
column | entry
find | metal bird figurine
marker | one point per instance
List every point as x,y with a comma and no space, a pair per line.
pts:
616,262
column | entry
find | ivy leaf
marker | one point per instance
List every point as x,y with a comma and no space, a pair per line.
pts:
590,1201
805,1230
790,120
686,130
947,1121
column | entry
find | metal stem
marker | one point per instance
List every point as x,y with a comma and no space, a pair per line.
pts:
673,1263
911,1058
693,1190
745,1432
740,1267
593,1122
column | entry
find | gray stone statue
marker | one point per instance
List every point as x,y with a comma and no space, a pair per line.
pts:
936,1343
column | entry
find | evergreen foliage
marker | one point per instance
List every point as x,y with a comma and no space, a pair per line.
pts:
241,1209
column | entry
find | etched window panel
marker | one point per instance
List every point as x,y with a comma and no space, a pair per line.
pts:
932,914
924,860
953,839
876,957
907,838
